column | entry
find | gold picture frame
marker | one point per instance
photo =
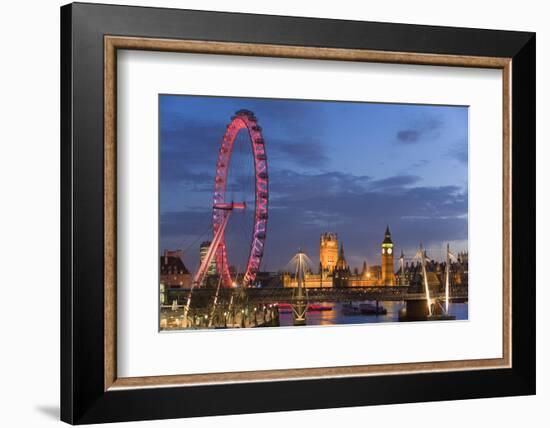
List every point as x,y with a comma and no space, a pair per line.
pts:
114,43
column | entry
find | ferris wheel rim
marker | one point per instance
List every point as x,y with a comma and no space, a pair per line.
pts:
243,119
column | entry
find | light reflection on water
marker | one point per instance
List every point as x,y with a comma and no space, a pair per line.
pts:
335,316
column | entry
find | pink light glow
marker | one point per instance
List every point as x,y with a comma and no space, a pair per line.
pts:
243,119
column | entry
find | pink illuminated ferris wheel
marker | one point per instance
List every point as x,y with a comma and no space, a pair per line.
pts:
246,121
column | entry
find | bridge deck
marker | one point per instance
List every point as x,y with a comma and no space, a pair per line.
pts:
326,294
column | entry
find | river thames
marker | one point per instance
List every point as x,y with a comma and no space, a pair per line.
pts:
337,316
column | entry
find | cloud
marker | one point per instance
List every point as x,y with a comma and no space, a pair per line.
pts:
303,186
408,136
396,182
422,129
459,152
356,207
429,215
300,152
188,179
185,144
307,197
289,116
188,151
191,222
415,214
421,163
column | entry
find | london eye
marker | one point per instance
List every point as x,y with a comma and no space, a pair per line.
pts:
244,121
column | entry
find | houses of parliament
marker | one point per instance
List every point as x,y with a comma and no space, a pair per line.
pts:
334,270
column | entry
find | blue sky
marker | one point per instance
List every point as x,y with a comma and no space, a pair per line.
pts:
350,168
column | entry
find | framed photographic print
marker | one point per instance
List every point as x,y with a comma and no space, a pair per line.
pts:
273,213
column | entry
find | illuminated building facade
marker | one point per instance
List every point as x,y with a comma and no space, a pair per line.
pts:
388,274
411,275
334,270
368,277
203,250
328,253
173,273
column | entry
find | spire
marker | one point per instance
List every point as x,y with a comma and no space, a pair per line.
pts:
387,236
341,263
364,270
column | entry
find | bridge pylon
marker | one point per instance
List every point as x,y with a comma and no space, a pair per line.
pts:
300,297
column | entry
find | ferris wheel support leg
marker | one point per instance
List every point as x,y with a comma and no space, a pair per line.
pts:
212,313
206,262
211,251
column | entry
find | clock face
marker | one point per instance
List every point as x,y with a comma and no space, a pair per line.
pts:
389,250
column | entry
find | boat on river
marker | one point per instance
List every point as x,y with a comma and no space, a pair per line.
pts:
315,307
286,308
366,308
372,309
351,309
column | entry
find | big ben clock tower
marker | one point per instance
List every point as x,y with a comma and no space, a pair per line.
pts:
388,276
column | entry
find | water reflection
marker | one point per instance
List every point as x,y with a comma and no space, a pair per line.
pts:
336,315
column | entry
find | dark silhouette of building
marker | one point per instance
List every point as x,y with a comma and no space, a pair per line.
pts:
341,273
173,273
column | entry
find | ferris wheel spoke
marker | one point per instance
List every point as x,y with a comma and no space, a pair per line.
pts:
243,120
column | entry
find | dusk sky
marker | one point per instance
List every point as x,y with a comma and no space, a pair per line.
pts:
349,168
